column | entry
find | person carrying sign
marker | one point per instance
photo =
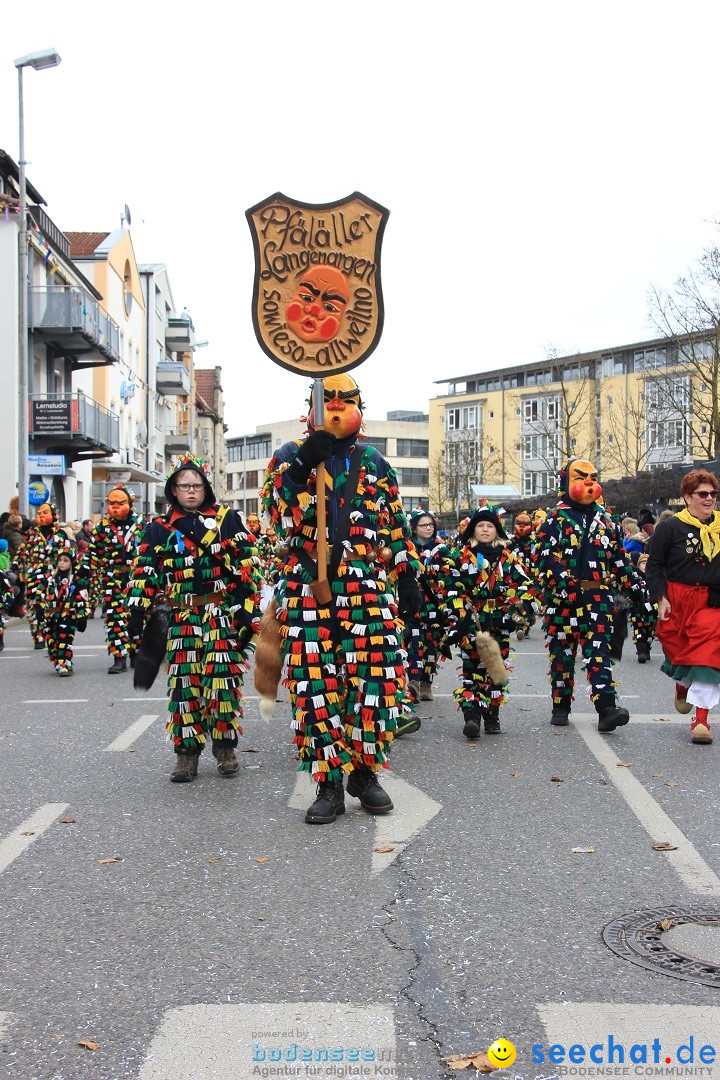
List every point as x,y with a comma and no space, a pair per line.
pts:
202,561
342,644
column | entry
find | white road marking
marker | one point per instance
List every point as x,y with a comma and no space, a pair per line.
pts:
34,826
272,1038
586,1025
132,733
56,701
687,862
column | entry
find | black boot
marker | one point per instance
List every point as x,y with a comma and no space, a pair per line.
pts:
363,785
611,717
119,664
643,652
472,717
492,720
560,716
330,803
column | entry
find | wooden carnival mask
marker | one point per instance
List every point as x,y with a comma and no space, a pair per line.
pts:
523,525
44,515
118,504
343,412
582,482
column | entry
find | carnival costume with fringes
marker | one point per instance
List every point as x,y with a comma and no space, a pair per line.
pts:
111,552
483,584
424,632
581,562
36,558
203,564
65,605
344,658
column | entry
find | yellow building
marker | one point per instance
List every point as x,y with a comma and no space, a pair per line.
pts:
634,408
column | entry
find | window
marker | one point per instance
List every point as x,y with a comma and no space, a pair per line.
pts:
612,365
537,483
379,444
417,447
650,359
413,477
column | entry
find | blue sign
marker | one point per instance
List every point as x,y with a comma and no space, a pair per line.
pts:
38,493
47,464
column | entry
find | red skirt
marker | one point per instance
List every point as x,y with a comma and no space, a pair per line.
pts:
690,637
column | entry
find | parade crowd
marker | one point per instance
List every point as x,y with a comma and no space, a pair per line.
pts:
358,646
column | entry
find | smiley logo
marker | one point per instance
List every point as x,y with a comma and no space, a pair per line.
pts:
502,1053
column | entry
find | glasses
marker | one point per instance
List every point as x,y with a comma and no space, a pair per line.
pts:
189,487
706,494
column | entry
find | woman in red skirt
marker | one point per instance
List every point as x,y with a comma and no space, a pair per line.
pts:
683,574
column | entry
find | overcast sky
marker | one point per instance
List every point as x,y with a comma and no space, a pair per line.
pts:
543,163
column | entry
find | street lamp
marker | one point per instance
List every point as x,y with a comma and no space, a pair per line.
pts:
38,60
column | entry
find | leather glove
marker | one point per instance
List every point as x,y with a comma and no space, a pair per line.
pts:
317,447
408,595
136,622
81,625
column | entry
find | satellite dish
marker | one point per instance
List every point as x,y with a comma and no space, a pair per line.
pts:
126,216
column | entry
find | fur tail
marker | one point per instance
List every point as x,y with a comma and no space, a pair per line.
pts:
152,650
268,660
491,658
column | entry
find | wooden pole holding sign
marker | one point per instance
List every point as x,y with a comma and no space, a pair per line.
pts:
317,303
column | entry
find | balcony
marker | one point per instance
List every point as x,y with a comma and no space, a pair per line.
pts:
73,425
70,319
179,335
178,442
172,379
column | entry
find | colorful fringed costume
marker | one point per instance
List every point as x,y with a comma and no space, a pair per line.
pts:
36,558
424,632
203,563
65,606
112,550
581,562
521,542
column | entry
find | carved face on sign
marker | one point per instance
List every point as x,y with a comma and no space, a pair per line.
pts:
317,305
343,415
582,485
118,505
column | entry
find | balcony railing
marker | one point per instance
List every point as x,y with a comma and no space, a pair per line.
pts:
177,442
179,335
72,318
73,424
173,378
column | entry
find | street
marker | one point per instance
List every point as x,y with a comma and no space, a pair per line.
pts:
157,931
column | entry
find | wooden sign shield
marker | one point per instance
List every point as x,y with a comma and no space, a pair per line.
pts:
317,298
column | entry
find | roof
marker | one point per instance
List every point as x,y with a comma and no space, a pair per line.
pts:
83,244
8,166
205,384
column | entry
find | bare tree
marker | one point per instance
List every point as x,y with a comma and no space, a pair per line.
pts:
689,386
436,490
625,447
469,458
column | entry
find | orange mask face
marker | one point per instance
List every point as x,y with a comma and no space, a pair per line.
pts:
342,406
523,526
316,308
118,505
538,518
44,515
582,483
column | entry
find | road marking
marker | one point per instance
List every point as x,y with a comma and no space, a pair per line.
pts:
14,844
132,733
687,862
186,1045
413,810
589,1024
56,701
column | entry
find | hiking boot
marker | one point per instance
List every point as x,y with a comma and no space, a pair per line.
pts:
63,672
407,726
426,693
491,722
2,642
132,660
330,803
186,767
118,665
560,717
224,753
520,635
472,716
682,705
363,784
612,717
413,689
643,652
700,727
39,644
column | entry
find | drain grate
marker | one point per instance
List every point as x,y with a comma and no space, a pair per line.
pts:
637,937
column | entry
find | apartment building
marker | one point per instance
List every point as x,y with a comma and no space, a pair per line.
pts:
634,408
402,437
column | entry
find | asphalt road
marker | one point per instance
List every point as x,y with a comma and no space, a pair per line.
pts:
203,930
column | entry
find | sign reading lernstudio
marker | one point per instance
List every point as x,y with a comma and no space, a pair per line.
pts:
51,417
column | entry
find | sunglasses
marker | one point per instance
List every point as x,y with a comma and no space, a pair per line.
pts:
706,494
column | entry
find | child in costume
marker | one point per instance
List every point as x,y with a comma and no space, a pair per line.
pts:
202,559
112,550
643,622
36,558
64,603
7,596
581,563
424,632
343,646
484,581
521,542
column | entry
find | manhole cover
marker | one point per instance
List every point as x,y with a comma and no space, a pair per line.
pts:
638,937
